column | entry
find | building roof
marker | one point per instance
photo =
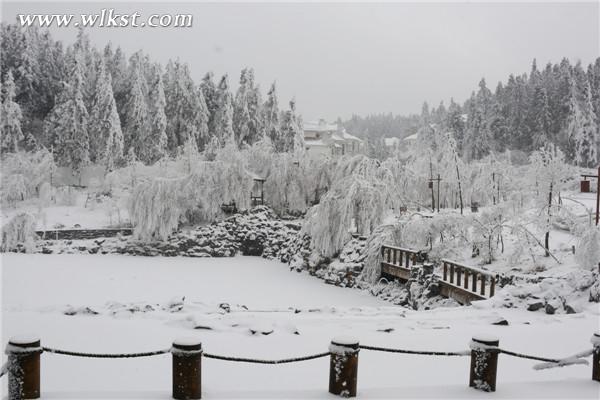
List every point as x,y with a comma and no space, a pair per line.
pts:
414,136
314,142
320,126
392,141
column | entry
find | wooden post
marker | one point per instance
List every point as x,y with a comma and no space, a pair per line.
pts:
23,368
596,357
492,285
475,282
451,273
445,271
343,367
482,292
394,256
484,363
187,377
466,279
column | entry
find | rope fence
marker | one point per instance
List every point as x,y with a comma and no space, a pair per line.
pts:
23,365
99,355
272,362
417,352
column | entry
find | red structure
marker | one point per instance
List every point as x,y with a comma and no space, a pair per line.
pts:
585,188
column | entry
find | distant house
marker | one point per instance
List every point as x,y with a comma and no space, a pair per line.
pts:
330,139
395,144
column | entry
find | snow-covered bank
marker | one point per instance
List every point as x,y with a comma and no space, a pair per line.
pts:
39,288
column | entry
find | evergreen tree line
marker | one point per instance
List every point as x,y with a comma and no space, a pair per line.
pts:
92,106
558,104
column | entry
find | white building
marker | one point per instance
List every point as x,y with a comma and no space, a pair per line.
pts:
330,139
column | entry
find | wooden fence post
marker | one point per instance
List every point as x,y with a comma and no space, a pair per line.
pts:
343,367
187,377
484,363
596,357
23,368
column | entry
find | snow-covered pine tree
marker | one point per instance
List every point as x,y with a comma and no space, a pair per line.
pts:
594,78
585,138
106,137
223,118
241,109
186,111
478,136
116,63
540,117
67,124
256,127
135,130
271,118
292,136
10,125
157,135
209,91
456,124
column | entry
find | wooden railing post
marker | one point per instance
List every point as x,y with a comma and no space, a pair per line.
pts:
394,254
445,271
343,367
482,292
474,282
187,363
596,357
23,368
492,285
451,273
484,363
466,286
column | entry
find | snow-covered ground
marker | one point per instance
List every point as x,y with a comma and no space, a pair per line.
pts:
303,313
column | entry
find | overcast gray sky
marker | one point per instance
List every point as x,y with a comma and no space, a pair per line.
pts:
338,59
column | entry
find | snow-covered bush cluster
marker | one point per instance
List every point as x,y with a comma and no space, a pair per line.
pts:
18,234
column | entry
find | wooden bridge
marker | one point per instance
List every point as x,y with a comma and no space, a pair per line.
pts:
457,281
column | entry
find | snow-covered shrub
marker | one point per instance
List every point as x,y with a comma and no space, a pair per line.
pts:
19,231
14,189
588,248
487,233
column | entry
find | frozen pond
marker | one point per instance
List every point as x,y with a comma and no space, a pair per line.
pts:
138,306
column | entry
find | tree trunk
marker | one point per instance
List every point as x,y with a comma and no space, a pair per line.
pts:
547,241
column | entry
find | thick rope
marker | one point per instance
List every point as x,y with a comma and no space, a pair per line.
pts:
423,353
583,354
98,355
258,361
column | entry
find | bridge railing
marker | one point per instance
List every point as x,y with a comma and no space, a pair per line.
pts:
401,257
471,279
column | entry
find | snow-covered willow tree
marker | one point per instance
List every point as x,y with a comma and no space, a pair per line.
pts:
159,205
357,201
285,186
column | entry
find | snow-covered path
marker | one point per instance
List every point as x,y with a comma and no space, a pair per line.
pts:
263,295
